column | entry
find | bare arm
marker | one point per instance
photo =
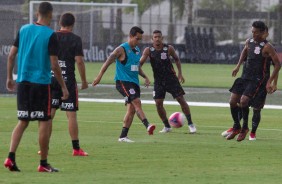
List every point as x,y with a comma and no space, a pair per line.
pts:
242,58
10,83
58,74
142,61
171,52
82,71
274,76
117,53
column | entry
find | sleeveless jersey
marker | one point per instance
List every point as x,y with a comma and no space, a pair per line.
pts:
128,70
256,65
33,55
161,63
70,45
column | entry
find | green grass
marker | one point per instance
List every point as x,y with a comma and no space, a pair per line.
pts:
196,75
177,157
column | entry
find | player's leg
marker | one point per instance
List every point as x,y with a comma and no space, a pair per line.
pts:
17,134
73,131
163,116
43,139
127,121
23,107
186,110
234,109
255,123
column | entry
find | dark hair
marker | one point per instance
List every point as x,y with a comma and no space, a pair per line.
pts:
259,25
45,8
67,19
134,30
158,31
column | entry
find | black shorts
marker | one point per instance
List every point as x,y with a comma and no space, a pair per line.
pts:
34,101
129,90
258,100
70,104
170,85
246,87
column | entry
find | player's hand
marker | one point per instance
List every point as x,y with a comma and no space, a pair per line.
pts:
84,85
147,82
235,71
11,85
65,93
96,81
273,89
269,88
181,78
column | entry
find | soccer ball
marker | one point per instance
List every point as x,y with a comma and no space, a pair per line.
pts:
176,119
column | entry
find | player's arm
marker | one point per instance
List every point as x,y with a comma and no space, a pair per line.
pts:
276,63
10,83
53,52
144,56
242,58
82,71
80,64
142,61
172,53
117,53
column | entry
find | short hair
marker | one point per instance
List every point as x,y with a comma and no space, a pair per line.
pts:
259,25
45,8
157,31
67,19
134,30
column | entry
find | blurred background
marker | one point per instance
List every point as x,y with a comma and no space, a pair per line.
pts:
202,31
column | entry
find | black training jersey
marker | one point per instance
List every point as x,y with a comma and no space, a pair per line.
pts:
161,63
70,45
255,66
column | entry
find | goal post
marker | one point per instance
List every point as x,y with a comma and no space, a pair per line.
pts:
100,25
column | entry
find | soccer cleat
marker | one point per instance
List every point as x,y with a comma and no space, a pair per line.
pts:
125,139
242,134
47,168
79,152
227,132
233,134
252,136
166,130
192,128
151,129
12,166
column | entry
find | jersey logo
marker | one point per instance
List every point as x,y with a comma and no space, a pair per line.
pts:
165,48
134,68
152,48
131,91
67,105
262,44
163,55
36,114
257,50
22,114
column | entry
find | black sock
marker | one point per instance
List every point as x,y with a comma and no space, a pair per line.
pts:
255,120
189,119
43,162
145,122
124,132
245,116
12,156
166,124
75,144
240,114
234,113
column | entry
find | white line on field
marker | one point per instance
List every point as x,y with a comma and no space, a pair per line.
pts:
200,104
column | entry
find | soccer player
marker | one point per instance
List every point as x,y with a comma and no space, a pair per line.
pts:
127,58
36,45
70,52
257,50
165,79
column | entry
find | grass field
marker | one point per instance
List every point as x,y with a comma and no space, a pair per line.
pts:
196,75
177,157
